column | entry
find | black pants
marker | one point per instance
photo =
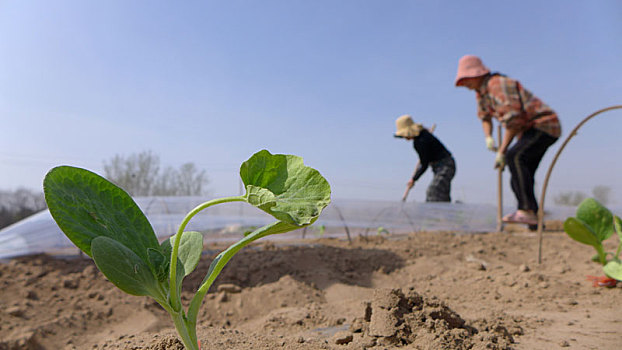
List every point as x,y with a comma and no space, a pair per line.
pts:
440,187
523,159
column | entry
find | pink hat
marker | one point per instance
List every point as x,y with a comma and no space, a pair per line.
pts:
470,66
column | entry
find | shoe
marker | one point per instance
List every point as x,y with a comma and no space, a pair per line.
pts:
521,217
509,218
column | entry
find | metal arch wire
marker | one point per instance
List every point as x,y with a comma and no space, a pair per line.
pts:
548,174
345,225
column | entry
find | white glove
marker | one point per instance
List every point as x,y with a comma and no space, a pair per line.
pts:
490,144
500,161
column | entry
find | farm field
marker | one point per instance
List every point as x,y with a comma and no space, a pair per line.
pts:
424,290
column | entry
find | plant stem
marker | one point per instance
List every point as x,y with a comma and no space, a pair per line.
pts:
186,331
616,226
602,256
175,299
219,263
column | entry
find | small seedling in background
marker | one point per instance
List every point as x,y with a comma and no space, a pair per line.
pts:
382,230
105,223
593,225
320,230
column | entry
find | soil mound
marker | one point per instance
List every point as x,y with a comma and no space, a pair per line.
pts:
396,319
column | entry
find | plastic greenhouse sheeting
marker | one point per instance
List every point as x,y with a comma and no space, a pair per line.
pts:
40,234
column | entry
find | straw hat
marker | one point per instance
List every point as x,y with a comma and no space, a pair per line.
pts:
406,127
470,66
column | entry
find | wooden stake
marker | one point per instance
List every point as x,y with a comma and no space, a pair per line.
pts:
499,183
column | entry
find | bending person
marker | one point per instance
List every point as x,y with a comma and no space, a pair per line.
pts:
524,116
431,153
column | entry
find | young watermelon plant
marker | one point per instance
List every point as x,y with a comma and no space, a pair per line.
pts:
594,224
105,223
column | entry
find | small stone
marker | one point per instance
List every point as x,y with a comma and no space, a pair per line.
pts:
478,266
524,268
357,326
229,287
342,337
561,269
564,344
15,311
32,295
70,283
300,340
222,297
366,342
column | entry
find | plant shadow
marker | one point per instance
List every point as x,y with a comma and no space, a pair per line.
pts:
318,265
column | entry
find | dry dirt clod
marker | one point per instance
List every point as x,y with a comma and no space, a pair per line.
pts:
229,288
32,295
15,311
222,297
342,337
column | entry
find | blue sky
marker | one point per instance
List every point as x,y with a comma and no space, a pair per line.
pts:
212,82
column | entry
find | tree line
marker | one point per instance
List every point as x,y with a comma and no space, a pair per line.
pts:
139,174
573,198
19,204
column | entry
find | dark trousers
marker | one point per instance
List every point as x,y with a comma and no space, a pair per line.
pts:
523,159
440,187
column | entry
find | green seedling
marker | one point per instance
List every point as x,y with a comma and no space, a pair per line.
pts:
320,230
105,223
382,230
594,224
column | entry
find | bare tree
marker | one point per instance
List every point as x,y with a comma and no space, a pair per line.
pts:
136,174
570,198
191,179
18,204
166,184
602,194
139,175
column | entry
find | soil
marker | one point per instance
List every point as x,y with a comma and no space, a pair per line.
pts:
425,290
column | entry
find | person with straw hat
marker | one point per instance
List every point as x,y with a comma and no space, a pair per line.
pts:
524,117
431,153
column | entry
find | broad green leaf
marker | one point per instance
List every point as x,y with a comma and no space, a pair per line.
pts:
618,226
159,264
284,187
580,232
597,217
613,269
123,268
86,206
189,252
